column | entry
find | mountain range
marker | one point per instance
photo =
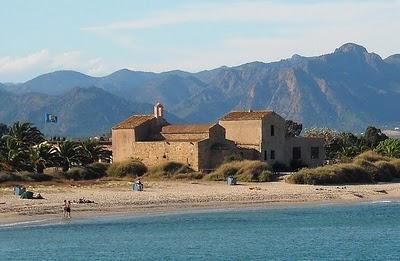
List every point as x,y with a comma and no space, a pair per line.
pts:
346,90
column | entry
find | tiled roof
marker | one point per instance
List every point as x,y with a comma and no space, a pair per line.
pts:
245,115
133,121
187,128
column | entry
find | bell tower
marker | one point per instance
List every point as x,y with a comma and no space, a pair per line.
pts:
158,110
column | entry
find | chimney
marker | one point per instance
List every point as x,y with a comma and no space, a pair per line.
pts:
158,110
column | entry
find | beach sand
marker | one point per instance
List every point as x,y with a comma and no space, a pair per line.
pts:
117,197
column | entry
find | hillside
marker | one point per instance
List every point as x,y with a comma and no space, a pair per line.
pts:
81,111
347,89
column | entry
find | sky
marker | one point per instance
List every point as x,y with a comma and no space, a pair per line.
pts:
100,37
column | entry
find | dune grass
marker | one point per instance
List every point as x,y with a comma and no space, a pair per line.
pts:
173,170
131,168
243,170
367,167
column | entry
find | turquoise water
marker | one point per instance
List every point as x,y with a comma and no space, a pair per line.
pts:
368,231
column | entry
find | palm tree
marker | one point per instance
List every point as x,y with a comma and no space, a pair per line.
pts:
25,134
41,157
67,154
389,147
92,151
13,154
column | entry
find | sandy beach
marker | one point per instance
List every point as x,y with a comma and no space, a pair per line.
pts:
117,198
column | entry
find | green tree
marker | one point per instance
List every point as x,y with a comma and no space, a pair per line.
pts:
67,154
389,147
293,128
13,154
3,129
92,151
373,136
42,156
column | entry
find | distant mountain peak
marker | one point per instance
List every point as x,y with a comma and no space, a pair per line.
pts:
351,48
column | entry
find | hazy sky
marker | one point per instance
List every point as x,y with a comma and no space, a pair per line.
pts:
99,37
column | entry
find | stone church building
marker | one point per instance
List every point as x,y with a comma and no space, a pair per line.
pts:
256,135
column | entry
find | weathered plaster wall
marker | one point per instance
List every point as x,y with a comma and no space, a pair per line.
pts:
246,134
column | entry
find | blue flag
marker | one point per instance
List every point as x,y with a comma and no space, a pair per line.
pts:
51,118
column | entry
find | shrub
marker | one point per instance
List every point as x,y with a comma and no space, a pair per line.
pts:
386,171
88,172
171,169
133,168
245,170
232,157
332,174
371,156
296,165
279,167
396,164
189,176
8,176
38,177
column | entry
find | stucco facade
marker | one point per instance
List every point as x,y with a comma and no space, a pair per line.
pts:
262,135
254,135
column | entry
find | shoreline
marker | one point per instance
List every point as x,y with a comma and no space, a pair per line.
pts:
115,199
52,219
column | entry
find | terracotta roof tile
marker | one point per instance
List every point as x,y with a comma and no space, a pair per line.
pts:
187,128
133,121
245,115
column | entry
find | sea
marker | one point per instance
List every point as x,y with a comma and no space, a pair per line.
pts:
362,231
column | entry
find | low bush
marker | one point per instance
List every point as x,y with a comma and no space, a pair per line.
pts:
386,171
189,176
9,176
280,167
171,169
88,172
332,174
38,177
396,164
371,156
133,168
245,170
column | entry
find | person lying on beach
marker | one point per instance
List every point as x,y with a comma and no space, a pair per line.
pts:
38,196
83,201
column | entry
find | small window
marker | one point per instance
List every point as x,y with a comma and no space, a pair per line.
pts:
314,152
272,155
272,130
296,153
265,155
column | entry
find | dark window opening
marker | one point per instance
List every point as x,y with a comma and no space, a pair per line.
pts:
315,152
265,155
272,156
272,130
296,153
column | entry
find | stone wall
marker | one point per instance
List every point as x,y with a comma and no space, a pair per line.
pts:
153,153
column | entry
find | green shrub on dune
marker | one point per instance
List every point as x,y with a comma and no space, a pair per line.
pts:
132,168
88,172
371,156
332,174
173,170
366,168
244,170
